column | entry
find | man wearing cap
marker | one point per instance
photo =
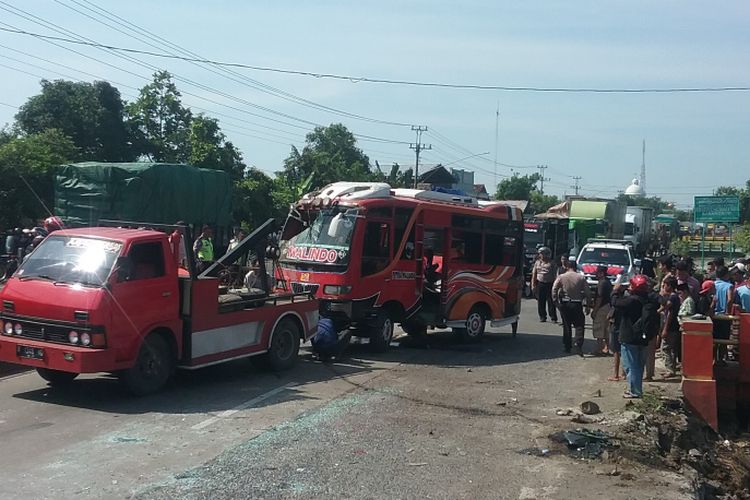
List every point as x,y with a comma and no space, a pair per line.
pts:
600,312
570,290
542,277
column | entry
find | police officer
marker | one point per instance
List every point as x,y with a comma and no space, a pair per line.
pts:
572,294
204,249
543,275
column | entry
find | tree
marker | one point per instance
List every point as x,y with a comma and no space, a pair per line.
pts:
331,153
542,202
396,177
654,202
517,187
208,148
254,201
742,238
27,169
744,195
90,114
162,123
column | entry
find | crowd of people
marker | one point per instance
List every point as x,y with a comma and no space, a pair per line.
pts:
640,320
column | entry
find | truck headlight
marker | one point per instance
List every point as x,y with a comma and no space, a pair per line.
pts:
73,337
337,289
85,339
18,329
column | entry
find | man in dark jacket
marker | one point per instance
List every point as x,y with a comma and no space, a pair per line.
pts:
639,322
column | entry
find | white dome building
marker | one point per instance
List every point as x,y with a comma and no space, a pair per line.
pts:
635,189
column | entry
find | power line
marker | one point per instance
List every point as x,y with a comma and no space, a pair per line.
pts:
577,186
226,73
88,41
364,79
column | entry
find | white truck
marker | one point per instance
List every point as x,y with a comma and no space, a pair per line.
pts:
638,221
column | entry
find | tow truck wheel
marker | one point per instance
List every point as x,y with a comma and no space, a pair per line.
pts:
282,353
381,332
474,329
152,369
56,377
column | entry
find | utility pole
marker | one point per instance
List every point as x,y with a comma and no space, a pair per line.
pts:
542,168
497,137
418,147
577,186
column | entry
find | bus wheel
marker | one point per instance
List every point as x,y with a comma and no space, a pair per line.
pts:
282,353
152,368
381,332
56,377
474,329
414,328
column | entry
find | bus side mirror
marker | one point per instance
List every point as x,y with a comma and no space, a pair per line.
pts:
124,269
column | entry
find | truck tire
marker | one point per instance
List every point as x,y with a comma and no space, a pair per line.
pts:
284,348
152,368
381,332
56,378
475,324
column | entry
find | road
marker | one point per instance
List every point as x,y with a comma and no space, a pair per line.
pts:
442,420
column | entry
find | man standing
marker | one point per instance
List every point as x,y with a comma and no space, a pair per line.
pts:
670,335
743,295
600,313
204,249
639,322
542,277
682,271
569,291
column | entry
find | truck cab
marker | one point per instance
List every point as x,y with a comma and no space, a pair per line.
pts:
616,255
116,300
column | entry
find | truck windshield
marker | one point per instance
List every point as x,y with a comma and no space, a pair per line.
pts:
605,256
71,259
326,240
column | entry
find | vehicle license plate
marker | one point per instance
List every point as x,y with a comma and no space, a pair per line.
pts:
25,351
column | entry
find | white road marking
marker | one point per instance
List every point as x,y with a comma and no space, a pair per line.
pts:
243,406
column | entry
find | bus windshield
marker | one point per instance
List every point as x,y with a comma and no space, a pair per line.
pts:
66,259
326,240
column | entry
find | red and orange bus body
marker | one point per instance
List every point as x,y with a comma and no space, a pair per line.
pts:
371,265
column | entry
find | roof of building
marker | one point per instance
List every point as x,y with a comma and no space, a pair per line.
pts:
635,189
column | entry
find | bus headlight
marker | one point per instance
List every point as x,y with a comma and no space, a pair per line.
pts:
337,289
85,339
73,337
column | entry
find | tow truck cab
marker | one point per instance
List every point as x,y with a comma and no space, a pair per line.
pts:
115,300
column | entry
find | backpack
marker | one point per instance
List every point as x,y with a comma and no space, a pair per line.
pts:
647,326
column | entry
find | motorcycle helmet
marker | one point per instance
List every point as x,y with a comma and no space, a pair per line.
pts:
639,284
53,223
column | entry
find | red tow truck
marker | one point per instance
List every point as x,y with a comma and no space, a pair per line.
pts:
113,299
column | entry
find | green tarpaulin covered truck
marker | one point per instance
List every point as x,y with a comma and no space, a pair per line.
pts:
159,193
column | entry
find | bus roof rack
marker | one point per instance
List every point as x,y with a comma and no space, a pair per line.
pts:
422,194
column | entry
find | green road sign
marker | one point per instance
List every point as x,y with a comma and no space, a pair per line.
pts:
717,209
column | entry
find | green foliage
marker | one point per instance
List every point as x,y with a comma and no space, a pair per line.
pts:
332,154
162,123
396,178
208,148
27,169
744,194
91,114
253,201
680,247
542,202
654,202
517,187
742,237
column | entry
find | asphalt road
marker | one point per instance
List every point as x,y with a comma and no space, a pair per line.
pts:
442,420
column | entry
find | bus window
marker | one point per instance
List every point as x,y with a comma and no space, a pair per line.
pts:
433,238
401,221
493,249
376,253
469,245
511,252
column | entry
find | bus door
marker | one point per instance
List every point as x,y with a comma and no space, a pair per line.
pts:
405,282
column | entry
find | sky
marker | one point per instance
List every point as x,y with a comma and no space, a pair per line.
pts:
695,142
